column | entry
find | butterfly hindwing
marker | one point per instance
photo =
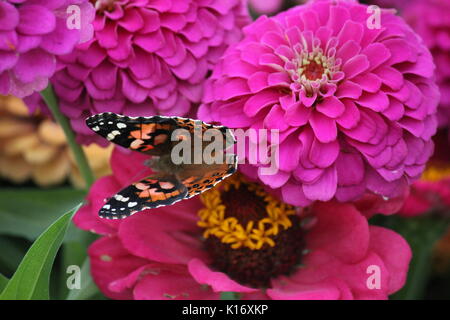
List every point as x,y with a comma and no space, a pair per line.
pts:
149,193
149,135
198,179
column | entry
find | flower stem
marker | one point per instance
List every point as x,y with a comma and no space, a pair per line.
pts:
50,99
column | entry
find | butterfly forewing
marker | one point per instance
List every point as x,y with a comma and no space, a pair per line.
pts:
149,135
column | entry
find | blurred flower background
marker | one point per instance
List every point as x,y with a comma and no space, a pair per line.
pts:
33,148
364,116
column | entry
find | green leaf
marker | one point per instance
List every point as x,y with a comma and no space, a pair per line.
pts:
88,288
3,282
34,210
31,279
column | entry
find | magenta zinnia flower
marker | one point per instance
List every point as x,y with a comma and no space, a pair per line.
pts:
146,58
32,34
355,106
429,18
258,246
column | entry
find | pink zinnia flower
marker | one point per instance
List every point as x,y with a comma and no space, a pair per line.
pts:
355,106
193,251
430,19
146,58
32,34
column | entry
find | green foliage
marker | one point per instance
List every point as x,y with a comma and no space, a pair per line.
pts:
31,279
26,213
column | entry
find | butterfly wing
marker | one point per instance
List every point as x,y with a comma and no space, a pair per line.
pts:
152,192
152,136
199,178
149,135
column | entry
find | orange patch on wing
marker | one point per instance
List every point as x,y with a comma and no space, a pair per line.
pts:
157,195
136,134
174,193
153,194
146,129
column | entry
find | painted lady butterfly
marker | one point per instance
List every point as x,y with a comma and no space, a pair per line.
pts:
171,182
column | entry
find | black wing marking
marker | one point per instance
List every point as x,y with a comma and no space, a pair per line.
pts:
149,135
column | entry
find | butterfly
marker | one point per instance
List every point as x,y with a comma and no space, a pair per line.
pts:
173,180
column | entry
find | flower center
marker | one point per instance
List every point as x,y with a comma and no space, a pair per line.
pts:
312,66
313,70
250,235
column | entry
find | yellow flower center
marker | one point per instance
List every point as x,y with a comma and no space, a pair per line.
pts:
251,234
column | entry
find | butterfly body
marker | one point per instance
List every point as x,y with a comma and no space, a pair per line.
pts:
173,180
